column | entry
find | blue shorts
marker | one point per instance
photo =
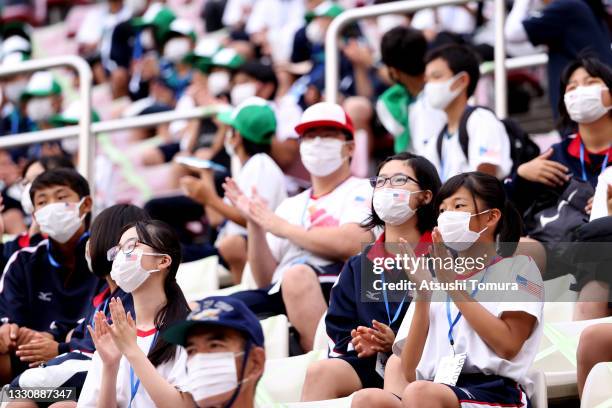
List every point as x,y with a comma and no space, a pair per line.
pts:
480,390
264,304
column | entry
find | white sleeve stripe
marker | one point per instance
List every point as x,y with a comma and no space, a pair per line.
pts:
29,249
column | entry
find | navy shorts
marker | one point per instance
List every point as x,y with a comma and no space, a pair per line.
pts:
480,390
264,304
366,370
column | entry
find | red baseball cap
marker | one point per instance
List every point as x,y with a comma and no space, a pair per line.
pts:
325,114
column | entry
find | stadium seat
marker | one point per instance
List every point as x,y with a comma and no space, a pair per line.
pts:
198,279
597,391
557,356
290,372
539,399
334,403
276,334
558,289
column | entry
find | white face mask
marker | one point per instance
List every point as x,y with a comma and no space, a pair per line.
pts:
314,33
439,94
40,109
322,155
26,201
14,90
218,82
146,39
392,205
176,49
127,270
242,92
585,103
211,374
455,229
60,220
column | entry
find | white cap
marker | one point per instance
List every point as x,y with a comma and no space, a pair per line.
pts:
325,114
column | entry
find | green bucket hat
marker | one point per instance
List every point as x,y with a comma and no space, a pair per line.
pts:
202,55
182,27
71,115
156,16
253,118
325,9
227,58
42,83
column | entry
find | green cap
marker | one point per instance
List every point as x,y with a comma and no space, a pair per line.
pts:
42,83
202,55
156,16
325,9
71,115
183,27
14,58
227,58
253,118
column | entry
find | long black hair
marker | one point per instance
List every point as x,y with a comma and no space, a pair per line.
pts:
491,192
595,68
106,231
161,238
428,179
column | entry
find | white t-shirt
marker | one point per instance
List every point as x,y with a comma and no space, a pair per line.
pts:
600,199
488,143
348,203
455,19
480,358
261,172
175,372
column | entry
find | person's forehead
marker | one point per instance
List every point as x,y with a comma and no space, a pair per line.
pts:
437,65
397,166
130,233
322,129
205,333
55,189
580,74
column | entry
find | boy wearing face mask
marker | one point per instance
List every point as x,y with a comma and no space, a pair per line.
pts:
452,73
304,243
179,43
50,282
225,348
253,126
402,109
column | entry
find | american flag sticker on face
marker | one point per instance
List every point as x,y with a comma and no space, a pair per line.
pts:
132,256
400,196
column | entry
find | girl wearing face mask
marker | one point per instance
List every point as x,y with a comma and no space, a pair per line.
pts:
133,366
469,344
585,106
363,316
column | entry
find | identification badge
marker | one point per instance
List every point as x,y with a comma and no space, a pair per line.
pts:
381,363
449,369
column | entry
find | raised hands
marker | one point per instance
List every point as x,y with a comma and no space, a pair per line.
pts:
103,340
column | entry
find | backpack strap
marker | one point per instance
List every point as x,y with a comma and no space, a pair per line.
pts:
439,141
464,138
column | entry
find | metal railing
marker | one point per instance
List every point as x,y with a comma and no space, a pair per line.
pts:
525,61
349,16
85,165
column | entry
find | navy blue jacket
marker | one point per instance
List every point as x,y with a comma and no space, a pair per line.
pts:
356,302
525,194
36,291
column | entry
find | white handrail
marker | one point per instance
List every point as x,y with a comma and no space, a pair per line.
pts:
348,16
525,61
108,126
85,81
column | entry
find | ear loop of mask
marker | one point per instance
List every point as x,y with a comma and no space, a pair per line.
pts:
247,352
480,213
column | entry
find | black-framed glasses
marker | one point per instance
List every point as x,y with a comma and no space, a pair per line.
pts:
395,180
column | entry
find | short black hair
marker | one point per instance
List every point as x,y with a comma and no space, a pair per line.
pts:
427,176
106,231
490,191
595,68
460,58
253,148
404,48
61,177
49,162
261,72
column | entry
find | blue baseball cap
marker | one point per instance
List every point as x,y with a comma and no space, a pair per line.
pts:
218,311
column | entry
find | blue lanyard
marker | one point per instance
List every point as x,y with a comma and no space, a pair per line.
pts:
134,385
604,163
453,323
93,324
15,121
399,308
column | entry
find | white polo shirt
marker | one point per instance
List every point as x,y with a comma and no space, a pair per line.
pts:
174,371
480,358
348,203
488,143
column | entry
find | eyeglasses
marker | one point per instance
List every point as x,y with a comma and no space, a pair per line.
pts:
127,248
395,180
